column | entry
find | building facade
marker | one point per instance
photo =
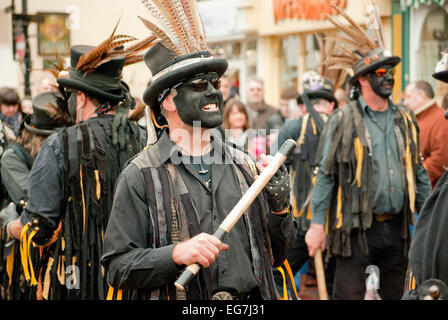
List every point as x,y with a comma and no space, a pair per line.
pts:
420,30
275,38
271,38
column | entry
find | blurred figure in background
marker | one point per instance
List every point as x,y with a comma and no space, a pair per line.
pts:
47,84
260,113
420,98
226,89
288,104
236,123
27,105
10,108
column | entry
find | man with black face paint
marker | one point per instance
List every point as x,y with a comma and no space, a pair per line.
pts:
371,180
172,197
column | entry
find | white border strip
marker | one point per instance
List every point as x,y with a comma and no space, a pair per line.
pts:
179,65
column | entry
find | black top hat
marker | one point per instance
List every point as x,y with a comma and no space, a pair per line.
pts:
441,72
104,82
316,86
44,121
373,60
168,69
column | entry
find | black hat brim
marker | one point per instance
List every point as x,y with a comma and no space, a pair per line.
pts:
320,94
90,90
441,76
42,132
394,60
170,79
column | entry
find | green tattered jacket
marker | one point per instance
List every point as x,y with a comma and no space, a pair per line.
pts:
349,163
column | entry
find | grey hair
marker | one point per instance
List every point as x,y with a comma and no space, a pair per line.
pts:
256,78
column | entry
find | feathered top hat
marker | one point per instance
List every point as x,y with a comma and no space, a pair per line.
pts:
181,51
363,51
97,71
49,113
441,72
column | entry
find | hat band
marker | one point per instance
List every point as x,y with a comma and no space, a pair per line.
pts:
99,81
181,64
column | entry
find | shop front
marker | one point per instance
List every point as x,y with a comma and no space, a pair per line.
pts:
425,36
287,47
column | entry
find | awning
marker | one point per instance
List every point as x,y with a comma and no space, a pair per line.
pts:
417,3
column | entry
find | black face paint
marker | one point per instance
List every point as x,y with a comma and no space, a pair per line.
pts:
72,103
382,86
205,106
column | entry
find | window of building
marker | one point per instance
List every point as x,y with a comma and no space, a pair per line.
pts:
434,40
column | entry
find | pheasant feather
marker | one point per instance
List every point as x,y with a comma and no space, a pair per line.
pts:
177,24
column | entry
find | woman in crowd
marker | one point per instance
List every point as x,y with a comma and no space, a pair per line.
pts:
236,123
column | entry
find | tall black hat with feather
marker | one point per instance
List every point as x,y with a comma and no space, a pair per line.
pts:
181,51
360,50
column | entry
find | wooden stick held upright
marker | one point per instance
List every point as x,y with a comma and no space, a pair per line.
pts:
242,205
320,275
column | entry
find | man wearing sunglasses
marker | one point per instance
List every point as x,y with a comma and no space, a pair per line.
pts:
372,181
172,197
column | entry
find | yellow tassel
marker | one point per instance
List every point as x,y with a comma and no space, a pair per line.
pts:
327,221
285,291
60,270
301,139
295,213
359,154
414,136
410,178
10,264
83,201
291,276
30,262
110,293
24,251
98,184
155,121
339,209
314,127
409,169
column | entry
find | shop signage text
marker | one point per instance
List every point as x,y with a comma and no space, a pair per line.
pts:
305,9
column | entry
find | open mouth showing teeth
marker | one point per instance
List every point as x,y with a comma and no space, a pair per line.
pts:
210,107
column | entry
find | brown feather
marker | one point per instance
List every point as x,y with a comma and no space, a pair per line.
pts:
133,59
161,18
357,27
60,117
160,33
90,60
141,45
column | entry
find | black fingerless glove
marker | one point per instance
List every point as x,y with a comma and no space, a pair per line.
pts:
278,190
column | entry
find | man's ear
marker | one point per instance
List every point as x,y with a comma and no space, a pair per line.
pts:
363,81
168,104
81,99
